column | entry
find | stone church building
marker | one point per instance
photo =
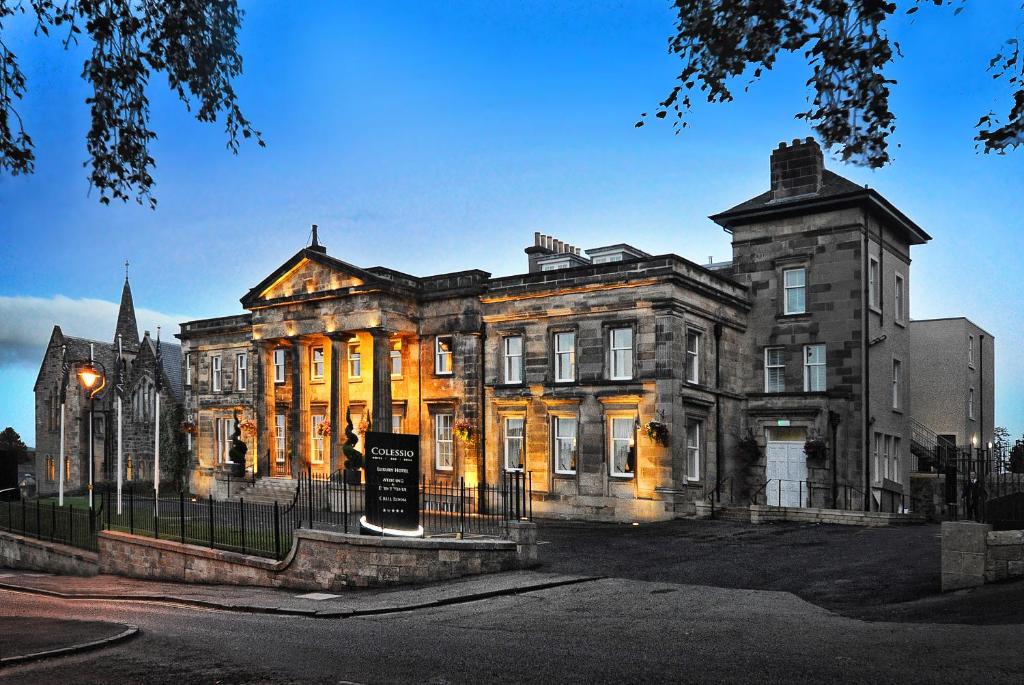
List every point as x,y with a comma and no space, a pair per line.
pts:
138,407
561,370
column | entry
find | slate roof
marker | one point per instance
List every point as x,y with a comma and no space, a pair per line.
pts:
170,358
832,184
78,349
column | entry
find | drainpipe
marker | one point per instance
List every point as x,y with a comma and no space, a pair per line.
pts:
866,399
718,415
981,390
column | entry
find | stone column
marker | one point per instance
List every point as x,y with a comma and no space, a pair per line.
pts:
262,394
339,397
381,381
298,434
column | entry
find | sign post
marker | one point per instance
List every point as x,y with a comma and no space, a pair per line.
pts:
392,485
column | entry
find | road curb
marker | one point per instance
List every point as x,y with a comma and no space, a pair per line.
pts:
129,632
308,613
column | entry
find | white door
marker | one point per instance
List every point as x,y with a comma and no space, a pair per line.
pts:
787,473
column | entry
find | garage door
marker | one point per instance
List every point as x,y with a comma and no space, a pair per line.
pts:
787,470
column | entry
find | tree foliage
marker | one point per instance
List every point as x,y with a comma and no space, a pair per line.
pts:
194,43
11,442
847,48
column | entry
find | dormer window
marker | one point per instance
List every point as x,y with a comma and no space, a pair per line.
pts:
554,266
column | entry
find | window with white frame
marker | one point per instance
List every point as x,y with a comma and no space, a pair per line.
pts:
222,439
188,368
397,420
215,374
513,358
514,435
280,437
565,357
317,453
895,458
241,371
970,404
874,282
814,368
396,359
355,362
774,369
693,427
316,366
794,283
970,351
279,366
897,383
886,455
899,300
622,445
621,353
443,355
444,447
693,356
878,456
563,445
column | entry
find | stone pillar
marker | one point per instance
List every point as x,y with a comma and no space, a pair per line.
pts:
381,381
339,397
299,433
964,550
263,401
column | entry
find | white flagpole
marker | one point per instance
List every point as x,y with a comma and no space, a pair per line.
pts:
120,382
92,444
60,485
156,448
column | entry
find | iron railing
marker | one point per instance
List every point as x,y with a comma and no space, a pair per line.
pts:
804,493
68,525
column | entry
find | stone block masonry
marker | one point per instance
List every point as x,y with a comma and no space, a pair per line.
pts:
320,560
20,552
973,554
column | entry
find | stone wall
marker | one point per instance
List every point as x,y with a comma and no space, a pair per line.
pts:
759,513
973,554
20,552
320,560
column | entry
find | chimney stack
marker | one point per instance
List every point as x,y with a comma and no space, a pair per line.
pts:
796,169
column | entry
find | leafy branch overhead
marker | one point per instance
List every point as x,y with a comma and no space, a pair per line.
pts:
194,43
847,49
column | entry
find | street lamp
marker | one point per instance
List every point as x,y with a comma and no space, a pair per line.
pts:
93,377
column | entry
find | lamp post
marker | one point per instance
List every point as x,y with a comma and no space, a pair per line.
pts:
833,421
93,377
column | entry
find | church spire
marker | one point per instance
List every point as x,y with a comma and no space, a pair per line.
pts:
127,327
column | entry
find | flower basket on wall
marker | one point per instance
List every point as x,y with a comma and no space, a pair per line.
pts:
815,449
464,431
323,429
248,427
188,428
657,431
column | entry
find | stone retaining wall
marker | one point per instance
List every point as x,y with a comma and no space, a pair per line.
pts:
20,552
973,554
760,513
321,560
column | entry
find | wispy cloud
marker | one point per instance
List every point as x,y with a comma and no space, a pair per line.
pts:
26,323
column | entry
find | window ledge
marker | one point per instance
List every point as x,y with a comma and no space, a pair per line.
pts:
901,324
793,316
564,476
622,476
355,380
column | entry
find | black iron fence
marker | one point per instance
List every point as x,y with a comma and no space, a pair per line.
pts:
69,525
781,492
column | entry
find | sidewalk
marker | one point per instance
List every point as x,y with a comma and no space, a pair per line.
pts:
290,602
27,638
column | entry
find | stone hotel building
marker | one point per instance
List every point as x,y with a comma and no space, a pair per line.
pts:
559,370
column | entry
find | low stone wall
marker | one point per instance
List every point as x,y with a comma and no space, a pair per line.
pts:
601,508
20,552
760,513
973,554
321,560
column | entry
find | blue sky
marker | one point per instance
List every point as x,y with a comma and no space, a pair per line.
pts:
433,137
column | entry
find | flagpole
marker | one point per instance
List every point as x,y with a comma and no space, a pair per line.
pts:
92,420
63,396
156,449
120,383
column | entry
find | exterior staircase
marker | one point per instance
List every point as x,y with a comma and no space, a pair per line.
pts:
268,491
928,447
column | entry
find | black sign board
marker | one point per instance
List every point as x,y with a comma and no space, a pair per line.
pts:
392,484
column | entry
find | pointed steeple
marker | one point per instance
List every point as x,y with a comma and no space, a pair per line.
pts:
127,327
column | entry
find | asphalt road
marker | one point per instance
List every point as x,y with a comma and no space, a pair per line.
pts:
608,630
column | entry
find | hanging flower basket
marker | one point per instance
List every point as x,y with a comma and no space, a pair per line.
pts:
815,448
188,428
464,430
248,427
364,425
323,429
657,431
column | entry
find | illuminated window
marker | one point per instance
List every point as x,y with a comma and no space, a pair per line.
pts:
317,455
222,439
513,348
565,357
396,359
241,371
279,366
622,445
355,362
795,286
444,447
564,444
316,367
67,469
621,353
814,368
443,355
514,427
280,437
51,469
774,369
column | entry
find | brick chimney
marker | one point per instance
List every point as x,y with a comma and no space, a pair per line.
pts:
796,169
546,245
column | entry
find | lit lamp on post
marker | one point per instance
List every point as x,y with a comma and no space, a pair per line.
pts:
93,378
